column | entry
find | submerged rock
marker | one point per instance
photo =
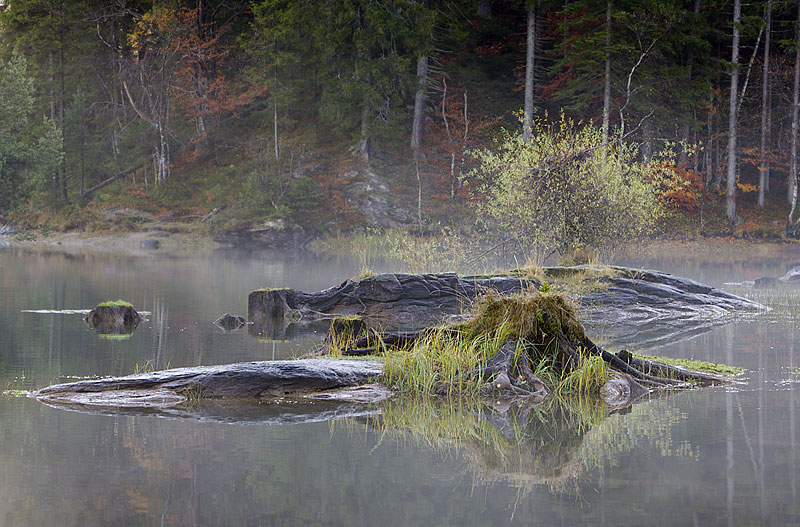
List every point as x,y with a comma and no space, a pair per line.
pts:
244,380
113,318
767,282
149,245
230,322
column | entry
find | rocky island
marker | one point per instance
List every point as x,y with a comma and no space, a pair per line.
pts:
388,315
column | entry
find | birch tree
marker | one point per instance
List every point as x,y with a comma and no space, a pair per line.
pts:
530,54
791,224
730,190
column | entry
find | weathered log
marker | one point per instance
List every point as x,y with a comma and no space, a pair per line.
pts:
110,180
618,364
246,380
669,371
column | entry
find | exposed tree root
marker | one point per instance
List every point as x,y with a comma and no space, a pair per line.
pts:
543,330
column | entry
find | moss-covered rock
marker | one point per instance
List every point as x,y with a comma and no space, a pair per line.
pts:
113,317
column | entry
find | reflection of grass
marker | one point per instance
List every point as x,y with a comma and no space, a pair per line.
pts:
555,443
529,444
115,336
16,393
438,424
194,396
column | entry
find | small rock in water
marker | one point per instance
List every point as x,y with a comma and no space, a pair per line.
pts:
793,274
113,318
230,322
766,282
149,245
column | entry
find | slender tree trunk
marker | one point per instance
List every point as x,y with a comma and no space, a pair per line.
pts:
61,94
730,191
52,93
647,141
791,229
527,125
684,153
275,130
364,143
769,137
763,166
793,166
607,80
450,142
418,126
710,149
83,162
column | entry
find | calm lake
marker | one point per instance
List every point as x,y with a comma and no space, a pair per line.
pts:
719,456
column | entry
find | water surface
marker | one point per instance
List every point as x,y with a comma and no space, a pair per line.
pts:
720,456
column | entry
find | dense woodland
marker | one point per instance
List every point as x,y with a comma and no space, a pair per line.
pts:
181,107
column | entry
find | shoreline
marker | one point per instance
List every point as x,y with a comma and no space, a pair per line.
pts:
186,238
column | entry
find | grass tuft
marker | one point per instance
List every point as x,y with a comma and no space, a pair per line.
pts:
536,320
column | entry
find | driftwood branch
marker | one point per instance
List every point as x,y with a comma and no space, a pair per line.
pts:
110,180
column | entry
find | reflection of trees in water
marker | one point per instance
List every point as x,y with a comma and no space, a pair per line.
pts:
555,443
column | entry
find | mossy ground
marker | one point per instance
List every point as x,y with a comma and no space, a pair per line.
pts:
115,303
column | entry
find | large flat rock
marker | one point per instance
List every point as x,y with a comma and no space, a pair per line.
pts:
649,308
629,306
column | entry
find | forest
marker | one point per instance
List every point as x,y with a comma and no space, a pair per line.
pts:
242,111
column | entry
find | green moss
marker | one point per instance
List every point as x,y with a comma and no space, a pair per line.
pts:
696,365
532,317
115,303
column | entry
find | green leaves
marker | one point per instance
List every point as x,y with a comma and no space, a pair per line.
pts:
560,192
28,152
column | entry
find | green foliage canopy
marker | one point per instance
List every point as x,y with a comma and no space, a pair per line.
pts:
29,152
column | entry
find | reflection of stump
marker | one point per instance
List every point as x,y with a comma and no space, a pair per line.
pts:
113,318
230,322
